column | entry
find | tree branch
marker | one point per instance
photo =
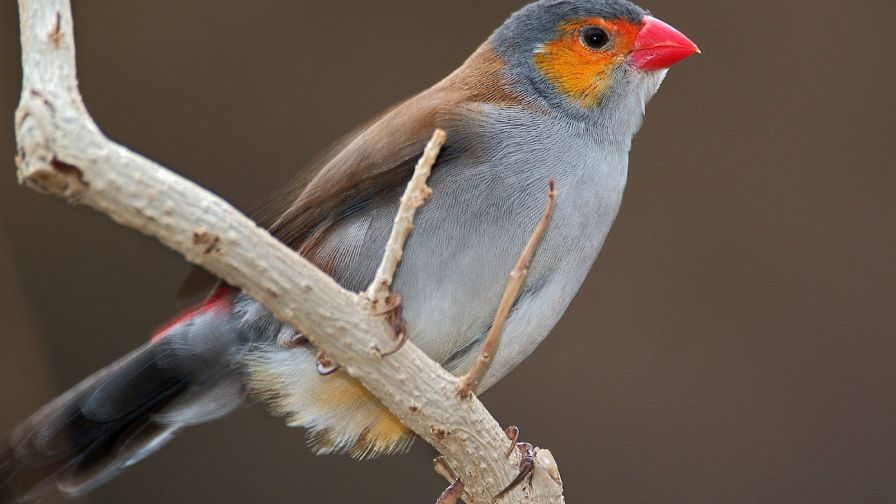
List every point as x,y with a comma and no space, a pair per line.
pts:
468,382
416,193
61,151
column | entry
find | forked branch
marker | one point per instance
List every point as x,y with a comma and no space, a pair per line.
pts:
61,151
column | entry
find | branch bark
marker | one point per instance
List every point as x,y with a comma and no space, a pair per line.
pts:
61,151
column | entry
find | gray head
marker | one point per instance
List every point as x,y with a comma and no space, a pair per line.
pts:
586,58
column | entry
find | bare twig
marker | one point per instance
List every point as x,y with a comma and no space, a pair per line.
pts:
61,151
467,383
416,193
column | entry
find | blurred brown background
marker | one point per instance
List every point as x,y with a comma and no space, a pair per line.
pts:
736,342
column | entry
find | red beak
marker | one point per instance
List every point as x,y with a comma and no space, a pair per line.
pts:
660,46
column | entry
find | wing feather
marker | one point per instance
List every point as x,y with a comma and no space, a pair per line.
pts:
377,158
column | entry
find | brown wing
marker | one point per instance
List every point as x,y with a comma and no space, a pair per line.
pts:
378,157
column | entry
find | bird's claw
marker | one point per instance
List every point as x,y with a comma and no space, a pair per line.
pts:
513,434
527,462
392,311
291,339
325,366
452,493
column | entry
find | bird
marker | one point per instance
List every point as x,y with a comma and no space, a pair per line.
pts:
558,92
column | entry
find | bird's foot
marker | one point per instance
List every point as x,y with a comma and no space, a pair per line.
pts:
392,312
527,463
452,493
291,339
325,366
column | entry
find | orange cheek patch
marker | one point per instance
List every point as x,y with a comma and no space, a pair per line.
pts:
579,73
583,78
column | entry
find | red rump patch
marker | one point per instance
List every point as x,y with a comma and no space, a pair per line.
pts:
219,299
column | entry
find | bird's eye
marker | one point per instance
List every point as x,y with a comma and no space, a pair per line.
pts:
594,37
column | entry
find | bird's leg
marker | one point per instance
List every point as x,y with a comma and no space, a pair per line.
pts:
527,463
452,493
392,311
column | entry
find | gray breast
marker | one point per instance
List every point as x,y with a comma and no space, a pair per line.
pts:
486,202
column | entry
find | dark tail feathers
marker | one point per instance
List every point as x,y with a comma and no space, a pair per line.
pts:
113,419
